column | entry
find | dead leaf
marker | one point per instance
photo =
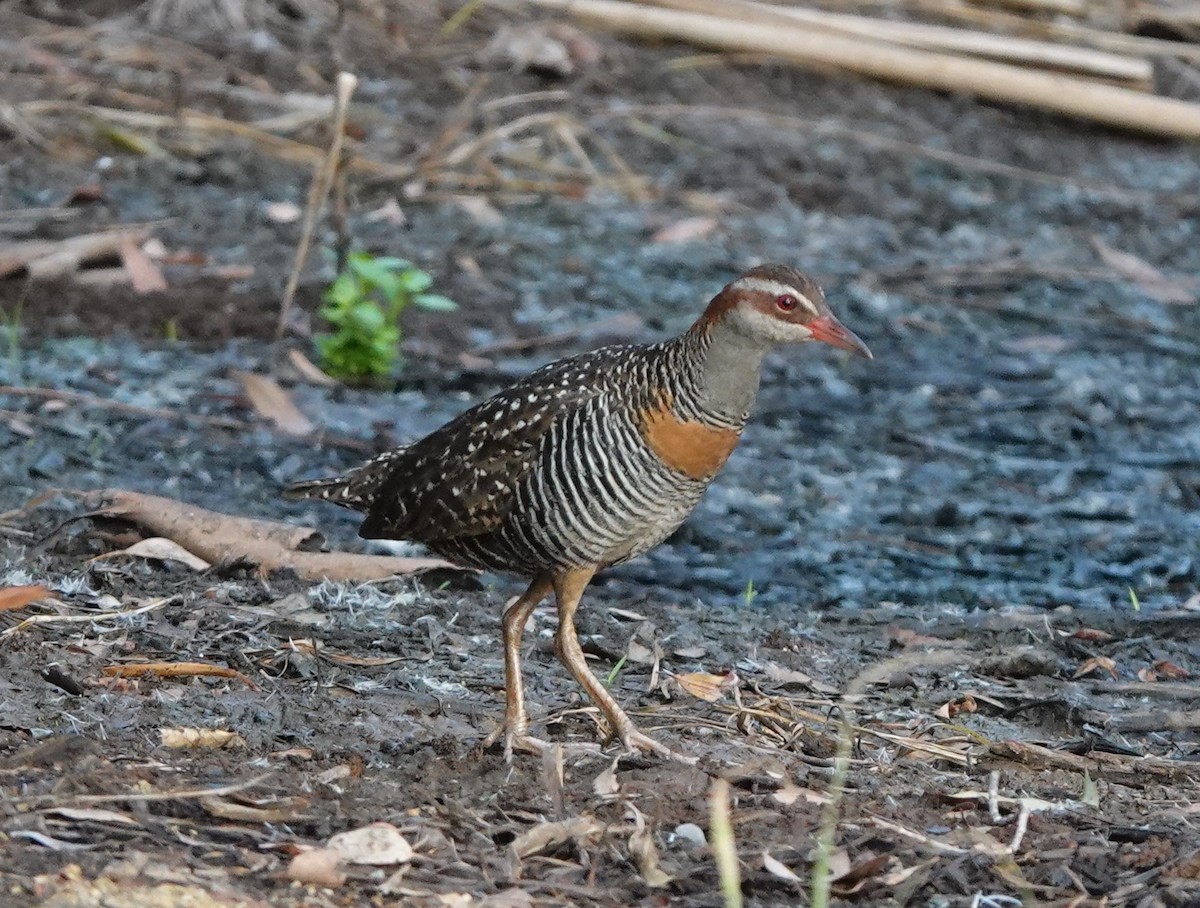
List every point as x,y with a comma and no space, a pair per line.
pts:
158,548
1170,670
952,708
221,538
200,738
1095,663
839,864
781,674
144,275
287,810
318,866
644,852
687,230
638,653
854,878
308,370
547,836
1147,675
1092,634
274,404
17,597
1151,281
606,785
375,845
555,49
777,868
706,686
790,794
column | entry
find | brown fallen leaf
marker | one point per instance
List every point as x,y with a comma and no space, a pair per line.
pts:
790,794
158,548
220,538
952,708
144,275
783,675
1092,633
175,670
706,686
43,259
854,878
545,836
309,371
1095,663
644,852
274,404
285,810
1169,669
319,867
16,597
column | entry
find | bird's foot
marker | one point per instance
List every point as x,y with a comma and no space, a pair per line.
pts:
633,740
517,738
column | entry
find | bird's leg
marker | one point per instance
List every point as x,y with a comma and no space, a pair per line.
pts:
515,730
568,590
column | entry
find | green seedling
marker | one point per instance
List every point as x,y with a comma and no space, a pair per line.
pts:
616,670
751,592
363,305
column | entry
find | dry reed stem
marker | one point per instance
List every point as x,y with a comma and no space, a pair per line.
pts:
1069,95
318,192
1098,63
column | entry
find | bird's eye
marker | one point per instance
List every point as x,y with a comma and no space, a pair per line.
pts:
786,302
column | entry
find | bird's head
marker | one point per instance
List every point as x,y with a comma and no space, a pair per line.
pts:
776,304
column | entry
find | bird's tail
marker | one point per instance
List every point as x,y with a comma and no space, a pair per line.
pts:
355,489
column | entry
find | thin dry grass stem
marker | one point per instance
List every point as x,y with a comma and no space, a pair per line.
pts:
277,146
92,618
456,124
145,797
318,192
549,142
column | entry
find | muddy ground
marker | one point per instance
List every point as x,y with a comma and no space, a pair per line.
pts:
980,549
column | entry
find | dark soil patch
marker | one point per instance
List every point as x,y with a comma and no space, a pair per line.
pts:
977,504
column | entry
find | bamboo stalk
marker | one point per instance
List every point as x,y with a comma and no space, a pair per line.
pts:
1089,100
1103,64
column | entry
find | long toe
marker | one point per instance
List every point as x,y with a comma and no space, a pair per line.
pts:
519,741
632,740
